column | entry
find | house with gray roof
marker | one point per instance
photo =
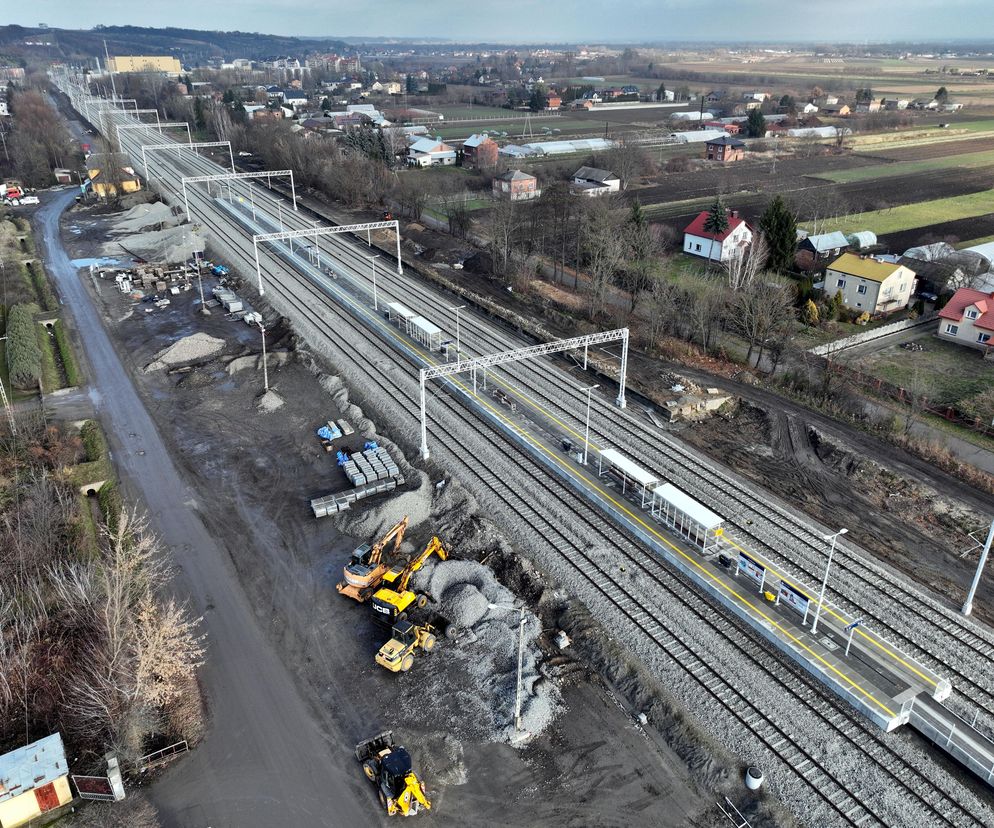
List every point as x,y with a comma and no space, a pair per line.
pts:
590,181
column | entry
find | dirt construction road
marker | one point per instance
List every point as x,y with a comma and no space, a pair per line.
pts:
264,760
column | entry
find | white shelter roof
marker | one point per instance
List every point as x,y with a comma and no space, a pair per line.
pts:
422,324
686,504
397,309
635,472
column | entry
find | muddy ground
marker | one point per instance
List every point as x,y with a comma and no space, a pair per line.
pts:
939,149
909,524
593,766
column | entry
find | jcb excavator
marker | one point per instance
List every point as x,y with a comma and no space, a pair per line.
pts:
389,767
366,567
392,600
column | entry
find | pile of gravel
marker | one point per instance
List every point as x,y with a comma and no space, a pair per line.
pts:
144,217
485,611
172,245
270,402
189,349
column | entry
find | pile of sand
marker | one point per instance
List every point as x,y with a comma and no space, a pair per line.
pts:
189,349
269,402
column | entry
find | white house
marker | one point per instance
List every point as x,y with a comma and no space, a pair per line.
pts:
590,181
717,247
868,283
427,152
968,318
809,108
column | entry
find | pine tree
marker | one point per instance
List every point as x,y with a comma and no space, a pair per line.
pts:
717,220
756,123
779,227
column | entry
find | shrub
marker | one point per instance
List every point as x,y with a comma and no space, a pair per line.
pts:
94,444
42,287
111,504
66,353
23,352
809,313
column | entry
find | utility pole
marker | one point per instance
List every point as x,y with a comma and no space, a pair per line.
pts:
968,606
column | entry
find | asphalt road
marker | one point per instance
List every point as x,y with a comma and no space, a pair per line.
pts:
264,761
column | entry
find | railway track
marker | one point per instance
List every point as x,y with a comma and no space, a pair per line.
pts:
807,766
938,636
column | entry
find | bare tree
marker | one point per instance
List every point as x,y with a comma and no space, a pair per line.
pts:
504,221
763,308
745,263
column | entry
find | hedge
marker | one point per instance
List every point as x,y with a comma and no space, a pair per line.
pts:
66,352
42,288
94,444
23,352
111,504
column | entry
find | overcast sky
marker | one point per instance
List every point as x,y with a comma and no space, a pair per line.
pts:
538,20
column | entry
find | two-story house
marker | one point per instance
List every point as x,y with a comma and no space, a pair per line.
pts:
968,318
717,247
725,149
871,284
479,152
515,185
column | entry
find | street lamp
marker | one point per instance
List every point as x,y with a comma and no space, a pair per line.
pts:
968,606
457,308
372,268
521,653
586,437
265,367
824,583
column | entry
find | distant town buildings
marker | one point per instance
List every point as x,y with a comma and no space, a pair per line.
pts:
144,63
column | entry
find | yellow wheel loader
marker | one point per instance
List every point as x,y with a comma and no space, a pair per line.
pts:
388,766
397,655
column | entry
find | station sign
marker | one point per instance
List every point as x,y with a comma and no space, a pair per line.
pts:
795,599
752,569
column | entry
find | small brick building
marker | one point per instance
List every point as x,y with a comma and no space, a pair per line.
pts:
515,185
725,149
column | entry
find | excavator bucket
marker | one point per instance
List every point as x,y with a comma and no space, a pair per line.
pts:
374,746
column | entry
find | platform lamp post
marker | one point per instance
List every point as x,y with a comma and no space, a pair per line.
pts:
824,583
521,653
265,366
457,308
968,605
372,269
586,436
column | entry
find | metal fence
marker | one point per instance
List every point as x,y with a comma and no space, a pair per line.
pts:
159,756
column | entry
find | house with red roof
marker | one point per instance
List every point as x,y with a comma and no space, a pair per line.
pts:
717,247
968,318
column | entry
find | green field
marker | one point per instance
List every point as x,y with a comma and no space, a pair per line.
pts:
964,160
944,372
920,214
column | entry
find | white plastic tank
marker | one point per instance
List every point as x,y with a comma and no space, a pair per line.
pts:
753,778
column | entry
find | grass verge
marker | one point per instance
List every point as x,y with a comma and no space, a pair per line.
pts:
62,342
51,379
919,214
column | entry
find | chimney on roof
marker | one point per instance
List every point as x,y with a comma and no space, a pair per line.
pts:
735,214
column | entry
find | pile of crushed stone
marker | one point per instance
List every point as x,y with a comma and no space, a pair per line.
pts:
488,618
171,245
144,217
193,348
269,402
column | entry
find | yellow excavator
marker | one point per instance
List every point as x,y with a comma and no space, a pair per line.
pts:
392,600
366,567
389,767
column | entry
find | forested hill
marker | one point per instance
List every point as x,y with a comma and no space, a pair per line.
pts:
191,46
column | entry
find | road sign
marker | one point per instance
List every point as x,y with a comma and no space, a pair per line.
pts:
752,569
854,624
795,599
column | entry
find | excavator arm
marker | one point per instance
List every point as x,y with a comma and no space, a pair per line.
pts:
396,534
434,547
413,793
